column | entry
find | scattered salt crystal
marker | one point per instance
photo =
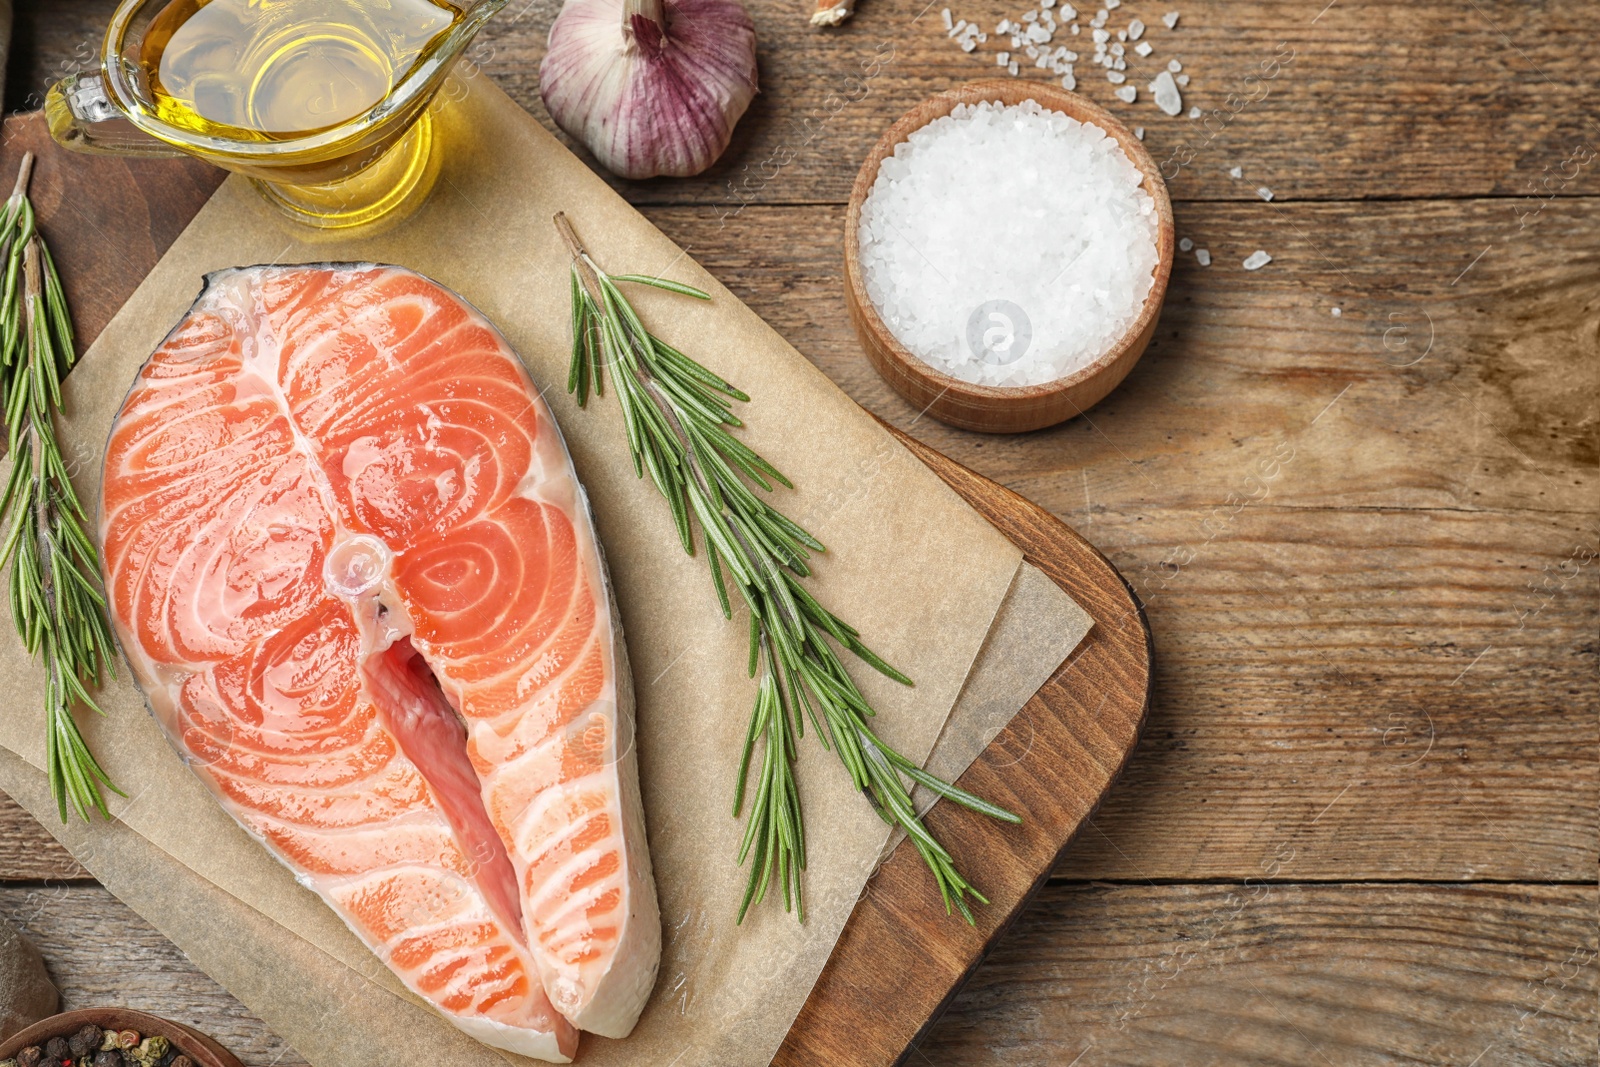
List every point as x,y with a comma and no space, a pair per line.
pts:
1138,131
1047,3
1143,48
1069,55
1127,94
1264,193
1002,58
979,267
1185,244
1119,64
1068,82
1183,79
1194,112
1112,5
1004,27
968,44
945,14
1170,20
957,28
1032,51
1013,68
1118,50
1135,30
1102,15
1030,16
983,38
1166,93
1174,66
1101,36
1116,77
1257,260
1074,29
1236,172
1068,12
1337,312
1203,256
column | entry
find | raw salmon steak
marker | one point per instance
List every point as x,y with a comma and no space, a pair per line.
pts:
356,577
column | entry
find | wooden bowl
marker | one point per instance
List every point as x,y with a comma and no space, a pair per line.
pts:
1002,409
197,1046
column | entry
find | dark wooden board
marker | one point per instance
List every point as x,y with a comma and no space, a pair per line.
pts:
900,958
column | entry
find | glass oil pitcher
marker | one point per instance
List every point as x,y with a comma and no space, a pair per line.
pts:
322,103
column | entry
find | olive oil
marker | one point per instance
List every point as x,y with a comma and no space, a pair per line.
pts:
281,69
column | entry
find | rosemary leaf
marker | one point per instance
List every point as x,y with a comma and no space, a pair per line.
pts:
51,561
677,414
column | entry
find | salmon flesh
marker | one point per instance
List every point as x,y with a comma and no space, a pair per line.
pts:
356,577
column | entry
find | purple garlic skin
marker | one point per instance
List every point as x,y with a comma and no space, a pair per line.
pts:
652,87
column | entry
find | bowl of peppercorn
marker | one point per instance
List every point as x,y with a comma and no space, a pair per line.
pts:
112,1037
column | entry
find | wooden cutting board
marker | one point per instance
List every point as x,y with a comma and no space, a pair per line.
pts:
900,959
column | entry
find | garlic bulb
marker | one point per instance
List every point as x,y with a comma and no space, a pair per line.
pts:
653,87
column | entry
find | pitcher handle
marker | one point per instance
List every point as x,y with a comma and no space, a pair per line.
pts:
83,117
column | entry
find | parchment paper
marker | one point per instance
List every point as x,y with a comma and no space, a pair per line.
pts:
1037,627
915,569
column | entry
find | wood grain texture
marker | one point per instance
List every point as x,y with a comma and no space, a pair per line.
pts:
1286,975
1382,100
27,851
1230,975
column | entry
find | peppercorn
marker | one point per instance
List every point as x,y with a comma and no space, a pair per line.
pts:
128,1038
32,1056
56,1050
85,1041
108,1058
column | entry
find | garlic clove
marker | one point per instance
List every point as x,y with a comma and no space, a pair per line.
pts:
652,87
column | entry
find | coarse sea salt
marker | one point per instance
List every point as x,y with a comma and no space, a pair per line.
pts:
1008,246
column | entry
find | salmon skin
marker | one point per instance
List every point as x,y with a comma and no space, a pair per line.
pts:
356,577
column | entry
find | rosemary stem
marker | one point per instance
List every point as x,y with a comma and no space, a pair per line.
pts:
677,415
51,561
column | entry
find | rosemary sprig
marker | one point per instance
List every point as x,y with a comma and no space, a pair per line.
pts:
53,563
677,415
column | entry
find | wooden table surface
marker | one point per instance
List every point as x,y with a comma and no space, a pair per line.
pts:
1362,826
